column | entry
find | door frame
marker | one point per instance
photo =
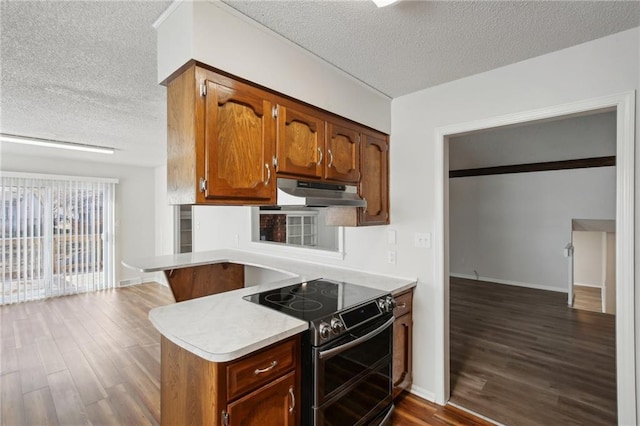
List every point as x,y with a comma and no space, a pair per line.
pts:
624,105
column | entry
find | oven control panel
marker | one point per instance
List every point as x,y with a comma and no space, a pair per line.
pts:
338,323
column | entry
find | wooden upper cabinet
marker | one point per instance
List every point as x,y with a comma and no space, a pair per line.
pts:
229,140
343,153
238,143
300,143
220,140
374,185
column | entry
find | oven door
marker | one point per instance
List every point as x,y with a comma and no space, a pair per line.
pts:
353,375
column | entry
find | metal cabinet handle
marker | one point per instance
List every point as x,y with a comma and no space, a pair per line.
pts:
293,399
268,173
264,370
401,306
330,158
321,156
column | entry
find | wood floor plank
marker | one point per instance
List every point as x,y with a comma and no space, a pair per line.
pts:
128,407
12,408
50,355
101,413
9,356
39,408
102,365
145,388
84,377
521,356
66,399
32,372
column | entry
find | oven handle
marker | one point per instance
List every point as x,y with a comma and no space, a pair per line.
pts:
334,351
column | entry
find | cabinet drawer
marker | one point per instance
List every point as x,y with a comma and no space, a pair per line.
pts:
403,301
254,371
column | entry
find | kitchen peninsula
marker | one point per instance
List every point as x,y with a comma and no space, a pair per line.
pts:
225,357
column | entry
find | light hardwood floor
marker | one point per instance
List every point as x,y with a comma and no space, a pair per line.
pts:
587,298
95,359
522,357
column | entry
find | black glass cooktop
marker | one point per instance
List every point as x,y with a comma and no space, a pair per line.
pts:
315,299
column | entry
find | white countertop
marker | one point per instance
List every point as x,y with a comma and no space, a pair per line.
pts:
224,326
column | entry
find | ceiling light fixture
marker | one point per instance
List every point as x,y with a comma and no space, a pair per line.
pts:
383,3
24,140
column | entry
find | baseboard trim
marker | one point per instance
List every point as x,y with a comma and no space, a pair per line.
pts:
588,285
509,282
423,393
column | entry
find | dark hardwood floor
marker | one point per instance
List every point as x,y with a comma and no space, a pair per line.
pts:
95,359
522,357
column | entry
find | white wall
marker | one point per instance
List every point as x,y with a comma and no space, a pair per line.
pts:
135,225
588,252
164,218
598,68
587,136
513,228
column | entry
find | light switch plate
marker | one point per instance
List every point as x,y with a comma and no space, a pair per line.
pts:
391,236
422,240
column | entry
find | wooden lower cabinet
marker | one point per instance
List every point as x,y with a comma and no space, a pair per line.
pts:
402,343
262,388
273,404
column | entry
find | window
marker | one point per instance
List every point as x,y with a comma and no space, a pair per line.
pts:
301,227
56,236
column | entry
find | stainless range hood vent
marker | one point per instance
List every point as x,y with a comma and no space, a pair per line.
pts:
292,192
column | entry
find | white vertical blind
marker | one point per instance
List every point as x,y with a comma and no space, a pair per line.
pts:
56,236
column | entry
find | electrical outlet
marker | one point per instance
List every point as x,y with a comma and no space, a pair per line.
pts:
422,240
391,257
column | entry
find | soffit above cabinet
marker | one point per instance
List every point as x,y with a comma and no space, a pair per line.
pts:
220,37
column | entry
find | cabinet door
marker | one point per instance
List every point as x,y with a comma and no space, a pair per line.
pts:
239,144
273,404
300,143
374,185
343,152
402,348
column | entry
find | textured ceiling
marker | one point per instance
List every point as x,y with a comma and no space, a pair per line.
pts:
85,71
413,45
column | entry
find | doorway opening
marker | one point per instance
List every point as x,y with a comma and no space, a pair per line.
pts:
593,265
623,105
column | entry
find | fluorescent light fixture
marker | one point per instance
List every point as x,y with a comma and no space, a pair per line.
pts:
383,3
55,144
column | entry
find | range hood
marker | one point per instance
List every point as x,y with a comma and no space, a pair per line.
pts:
293,192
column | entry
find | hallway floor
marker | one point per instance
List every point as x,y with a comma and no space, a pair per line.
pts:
522,357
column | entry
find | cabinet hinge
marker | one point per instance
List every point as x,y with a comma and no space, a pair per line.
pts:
224,418
274,111
203,184
203,88
275,162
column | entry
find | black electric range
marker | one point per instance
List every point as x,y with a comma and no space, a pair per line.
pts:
331,307
346,355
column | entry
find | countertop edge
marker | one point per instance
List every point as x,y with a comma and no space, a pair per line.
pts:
238,353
